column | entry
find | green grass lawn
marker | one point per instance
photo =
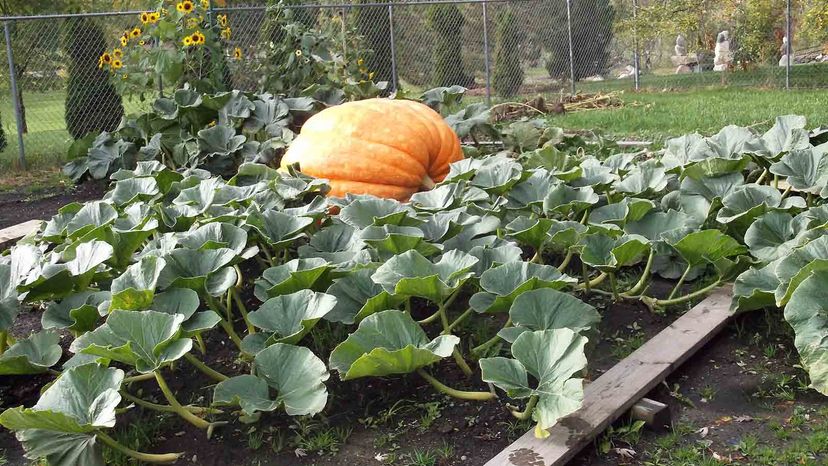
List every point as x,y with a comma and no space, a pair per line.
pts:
47,141
656,116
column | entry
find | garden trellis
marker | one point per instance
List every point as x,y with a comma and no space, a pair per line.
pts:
562,46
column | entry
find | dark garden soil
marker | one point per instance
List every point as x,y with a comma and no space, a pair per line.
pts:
22,204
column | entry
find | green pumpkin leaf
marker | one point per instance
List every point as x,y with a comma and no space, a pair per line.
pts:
33,355
386,343
290,317
551,357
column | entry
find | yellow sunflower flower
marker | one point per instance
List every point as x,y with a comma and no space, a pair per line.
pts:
237,53
154,16
141,43
360,62
222,20
106,58
124,40
185,6
187,41
298,53
371,75
135,32
226,33
118,53
117,64
205,4
145,18
198,38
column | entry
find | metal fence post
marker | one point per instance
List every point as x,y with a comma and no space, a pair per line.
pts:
393,47
636,56
571,54
18,111
486,55
789,45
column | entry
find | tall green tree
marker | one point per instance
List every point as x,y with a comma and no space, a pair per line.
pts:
373,24
508,75
447,22
592,33
92,104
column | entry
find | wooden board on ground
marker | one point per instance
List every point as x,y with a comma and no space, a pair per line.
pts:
614,392
15,232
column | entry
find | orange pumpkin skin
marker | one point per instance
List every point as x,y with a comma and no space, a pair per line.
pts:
388,148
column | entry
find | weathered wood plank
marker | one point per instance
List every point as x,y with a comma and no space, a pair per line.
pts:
614,392
15,232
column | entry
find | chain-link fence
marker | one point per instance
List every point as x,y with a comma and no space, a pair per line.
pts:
499,49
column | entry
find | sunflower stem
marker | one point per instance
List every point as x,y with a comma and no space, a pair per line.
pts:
204,368
140,456
463,395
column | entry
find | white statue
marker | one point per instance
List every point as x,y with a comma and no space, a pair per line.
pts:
681,46
784,49
684,63
723,58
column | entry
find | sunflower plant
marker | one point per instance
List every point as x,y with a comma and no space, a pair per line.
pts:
177,42
326,61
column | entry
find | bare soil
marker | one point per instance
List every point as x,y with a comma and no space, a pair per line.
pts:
21,205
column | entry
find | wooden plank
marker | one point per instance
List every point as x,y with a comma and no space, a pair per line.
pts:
614,392
15,232
654,413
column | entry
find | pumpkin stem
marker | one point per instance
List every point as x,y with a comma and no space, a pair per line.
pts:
427,183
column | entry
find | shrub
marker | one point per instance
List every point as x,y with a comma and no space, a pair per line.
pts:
592,32
508,75
92,104
372,24
447,22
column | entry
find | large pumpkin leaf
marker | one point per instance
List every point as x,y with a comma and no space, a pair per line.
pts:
135,288
366,211
277,228
411,274
804,169
338,244
294,372
216,236
290,317
551,357
201,271
60,427
386,343
504,283
806,313
609,254
32,355
78,312
547,309
707,246
357,297
776,234
755,289
145,340
292,276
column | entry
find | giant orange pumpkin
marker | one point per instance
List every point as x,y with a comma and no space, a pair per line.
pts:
388,148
